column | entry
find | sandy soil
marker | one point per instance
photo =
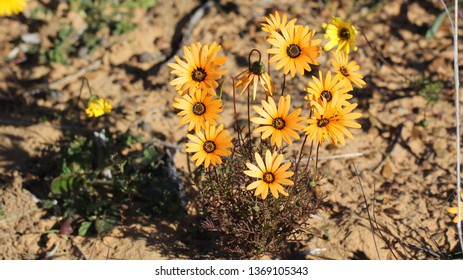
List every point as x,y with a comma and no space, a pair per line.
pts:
407,171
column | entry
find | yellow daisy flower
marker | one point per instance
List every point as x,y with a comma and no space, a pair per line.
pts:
294,49
98,106
278,122
454,210
256,74
210,146
199,70
347,70
198,109
271,175
275,23
10,7
324,88
331,122
342,33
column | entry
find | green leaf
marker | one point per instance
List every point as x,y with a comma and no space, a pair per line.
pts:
61,184
431,33
48,204
65,168
83,229
104,224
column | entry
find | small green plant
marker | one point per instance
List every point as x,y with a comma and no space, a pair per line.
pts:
62,47
430,91
114,16
102,174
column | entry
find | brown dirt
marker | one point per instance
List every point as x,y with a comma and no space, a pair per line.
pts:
407,171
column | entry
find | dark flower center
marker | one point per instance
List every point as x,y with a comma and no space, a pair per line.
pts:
198,108
278,123
268,177
323,122
257,68
344,71
327,95
293,51
344,34
209,146
199,74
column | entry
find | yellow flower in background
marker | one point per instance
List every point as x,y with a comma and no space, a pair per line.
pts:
198,109
340,33
278,122
210,146
98,106
253,76
330,122
275,23
199,70
10,7
294,50
347,70
270,174
323,89
454,210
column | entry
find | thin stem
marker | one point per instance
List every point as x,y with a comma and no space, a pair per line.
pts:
283,86
457,125
84,81
448,15
310,156
300,157
249,114
249,57
235,115
315,175
188,164
268,64
368,211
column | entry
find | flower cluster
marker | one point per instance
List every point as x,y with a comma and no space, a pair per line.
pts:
199,107
294,49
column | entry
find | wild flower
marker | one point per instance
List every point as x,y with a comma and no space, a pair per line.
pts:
210,146
323,89
251,77
346,70
199,69
278,122
11,7
294,49
97,106
340,33
198,109
271,175
330,122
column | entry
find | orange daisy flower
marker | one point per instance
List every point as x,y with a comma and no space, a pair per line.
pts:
278,122
210,146
330,121
294,50
198,109
324,88
199,70
347,70
271,175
